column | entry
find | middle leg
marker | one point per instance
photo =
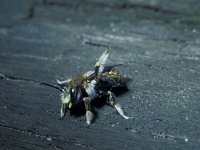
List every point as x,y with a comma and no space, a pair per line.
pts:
89,114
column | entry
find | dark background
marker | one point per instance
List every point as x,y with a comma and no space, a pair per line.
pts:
158,41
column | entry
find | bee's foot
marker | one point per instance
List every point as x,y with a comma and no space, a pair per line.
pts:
89,118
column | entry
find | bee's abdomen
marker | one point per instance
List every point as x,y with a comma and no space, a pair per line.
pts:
109,80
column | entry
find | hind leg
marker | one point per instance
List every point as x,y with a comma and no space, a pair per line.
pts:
112,102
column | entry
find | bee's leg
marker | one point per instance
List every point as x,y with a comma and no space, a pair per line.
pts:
112,102
62,110
89,114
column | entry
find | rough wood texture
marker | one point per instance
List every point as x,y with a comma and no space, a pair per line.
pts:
157,41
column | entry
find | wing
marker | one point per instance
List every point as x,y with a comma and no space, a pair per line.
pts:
63,82
99,66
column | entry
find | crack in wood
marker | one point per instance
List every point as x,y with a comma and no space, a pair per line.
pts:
45,137
116,6
159,66
29,132
147,7
95,44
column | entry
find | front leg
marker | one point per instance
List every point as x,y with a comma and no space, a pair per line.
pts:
113,103
89,114
62,111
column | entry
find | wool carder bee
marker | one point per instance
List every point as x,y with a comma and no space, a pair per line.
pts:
92,85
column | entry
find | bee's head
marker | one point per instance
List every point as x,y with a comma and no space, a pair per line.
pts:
71,95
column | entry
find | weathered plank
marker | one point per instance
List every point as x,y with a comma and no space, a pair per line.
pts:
158,43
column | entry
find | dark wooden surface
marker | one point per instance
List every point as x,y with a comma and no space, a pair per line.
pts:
157,41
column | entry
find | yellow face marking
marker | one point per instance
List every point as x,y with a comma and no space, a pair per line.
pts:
70,105
66,100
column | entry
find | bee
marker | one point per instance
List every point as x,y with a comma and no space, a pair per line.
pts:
91,85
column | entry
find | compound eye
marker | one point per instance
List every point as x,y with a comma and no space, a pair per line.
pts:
73,93
73,90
